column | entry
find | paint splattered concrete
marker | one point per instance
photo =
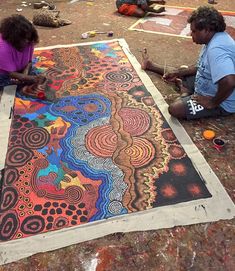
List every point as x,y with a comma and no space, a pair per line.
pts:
200,247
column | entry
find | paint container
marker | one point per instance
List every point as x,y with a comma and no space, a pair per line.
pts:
110,34
208,134
218,143
84,35
92,34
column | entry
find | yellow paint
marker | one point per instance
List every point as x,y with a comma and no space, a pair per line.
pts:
72,182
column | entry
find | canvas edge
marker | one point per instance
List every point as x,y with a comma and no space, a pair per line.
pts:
6,107
162,217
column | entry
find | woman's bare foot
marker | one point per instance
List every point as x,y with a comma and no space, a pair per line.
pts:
145,60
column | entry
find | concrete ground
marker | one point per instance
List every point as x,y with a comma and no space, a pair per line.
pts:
206,247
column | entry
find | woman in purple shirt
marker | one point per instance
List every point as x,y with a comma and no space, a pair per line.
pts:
17,39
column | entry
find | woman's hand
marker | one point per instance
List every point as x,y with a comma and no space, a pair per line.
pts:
33,79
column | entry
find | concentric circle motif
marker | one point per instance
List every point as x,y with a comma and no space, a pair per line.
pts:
115,207
125,85
18,156
35,138
176,151
73,194
135,121
141,152
9,224
9,197
168,135
101,141
41,193
90,107
10,176
32,224
119,77
41,163
179,168
149,101
60,222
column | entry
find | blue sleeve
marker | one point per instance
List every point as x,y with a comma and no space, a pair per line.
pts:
221,63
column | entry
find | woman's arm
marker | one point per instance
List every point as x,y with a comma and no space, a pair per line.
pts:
25,78
28,67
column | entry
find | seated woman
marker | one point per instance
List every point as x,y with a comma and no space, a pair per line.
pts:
17,39
138,8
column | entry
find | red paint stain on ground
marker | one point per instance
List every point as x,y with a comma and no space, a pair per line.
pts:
105,258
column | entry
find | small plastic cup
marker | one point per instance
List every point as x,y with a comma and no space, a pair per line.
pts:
92,34
208,134
110,33
84,35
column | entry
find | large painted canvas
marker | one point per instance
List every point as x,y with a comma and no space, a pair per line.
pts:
99,155
173,22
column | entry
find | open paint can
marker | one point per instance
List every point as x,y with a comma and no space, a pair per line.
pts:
218,143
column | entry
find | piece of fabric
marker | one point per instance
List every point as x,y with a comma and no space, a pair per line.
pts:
131,2
174,22
89,149
104,157
217,60
127,9
12,60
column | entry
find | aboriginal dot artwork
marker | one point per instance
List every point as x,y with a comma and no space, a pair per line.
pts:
96,148
175,23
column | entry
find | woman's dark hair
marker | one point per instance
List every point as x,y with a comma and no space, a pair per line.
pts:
206,17
17,28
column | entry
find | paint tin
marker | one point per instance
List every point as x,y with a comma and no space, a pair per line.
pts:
208,134
110,33
92,34
84,35
218,143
